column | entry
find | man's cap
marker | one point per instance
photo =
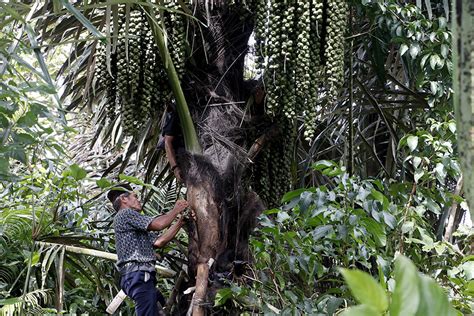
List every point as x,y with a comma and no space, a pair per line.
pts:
116,191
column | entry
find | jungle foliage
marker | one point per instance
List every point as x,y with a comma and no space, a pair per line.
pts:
380,181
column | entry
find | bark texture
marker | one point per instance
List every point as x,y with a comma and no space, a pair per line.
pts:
463,49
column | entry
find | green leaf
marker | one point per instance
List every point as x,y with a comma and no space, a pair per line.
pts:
24,138
468,258
8,108
403,49
131,179
377,195
265,221
44,68
4,165
292,296
77,172
365,289
39,109
10,301
389,219
416,161
321,231
271,211
81,18
294,194
282,217
406,296
3,121
444,50
442,22
452,127
469,288
323,164
424,59
431,205
408,227
376,230
434,300
361,310
433,87
18,153
434,60
222,296
35,258
418,174
103,183
468,268
272,308
412,142
440,172
414,50
27,120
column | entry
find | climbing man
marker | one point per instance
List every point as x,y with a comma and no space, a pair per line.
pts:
135,237
173,139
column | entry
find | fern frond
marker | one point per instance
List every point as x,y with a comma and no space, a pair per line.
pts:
33,302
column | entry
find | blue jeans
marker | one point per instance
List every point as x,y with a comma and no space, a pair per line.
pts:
143,292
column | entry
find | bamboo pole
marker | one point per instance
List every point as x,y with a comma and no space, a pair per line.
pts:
463,81
163,271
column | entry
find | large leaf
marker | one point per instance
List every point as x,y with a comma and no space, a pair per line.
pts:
365,289
294,194
434,300
361,310
376,230
406,296
76,172
82,19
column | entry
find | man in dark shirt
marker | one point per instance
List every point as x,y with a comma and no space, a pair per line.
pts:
135,237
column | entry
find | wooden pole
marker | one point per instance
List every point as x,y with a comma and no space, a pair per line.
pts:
163,271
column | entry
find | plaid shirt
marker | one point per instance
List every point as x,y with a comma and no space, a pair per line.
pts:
133,242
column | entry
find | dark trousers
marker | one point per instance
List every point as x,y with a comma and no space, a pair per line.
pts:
144,293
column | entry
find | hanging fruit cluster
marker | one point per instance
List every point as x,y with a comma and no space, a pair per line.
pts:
300,50
132,74
272,171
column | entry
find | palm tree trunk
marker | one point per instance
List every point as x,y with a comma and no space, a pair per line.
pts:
463,49
215,89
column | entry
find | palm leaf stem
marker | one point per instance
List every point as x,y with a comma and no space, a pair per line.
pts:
189,132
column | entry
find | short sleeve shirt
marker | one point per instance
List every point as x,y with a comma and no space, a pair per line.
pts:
133,242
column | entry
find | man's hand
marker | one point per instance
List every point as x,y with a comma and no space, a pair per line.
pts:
164,221
181,205
193,215
177,174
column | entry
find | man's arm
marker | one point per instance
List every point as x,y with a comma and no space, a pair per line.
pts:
170,233
164,221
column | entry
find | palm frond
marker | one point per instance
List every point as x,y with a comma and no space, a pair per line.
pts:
33,302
